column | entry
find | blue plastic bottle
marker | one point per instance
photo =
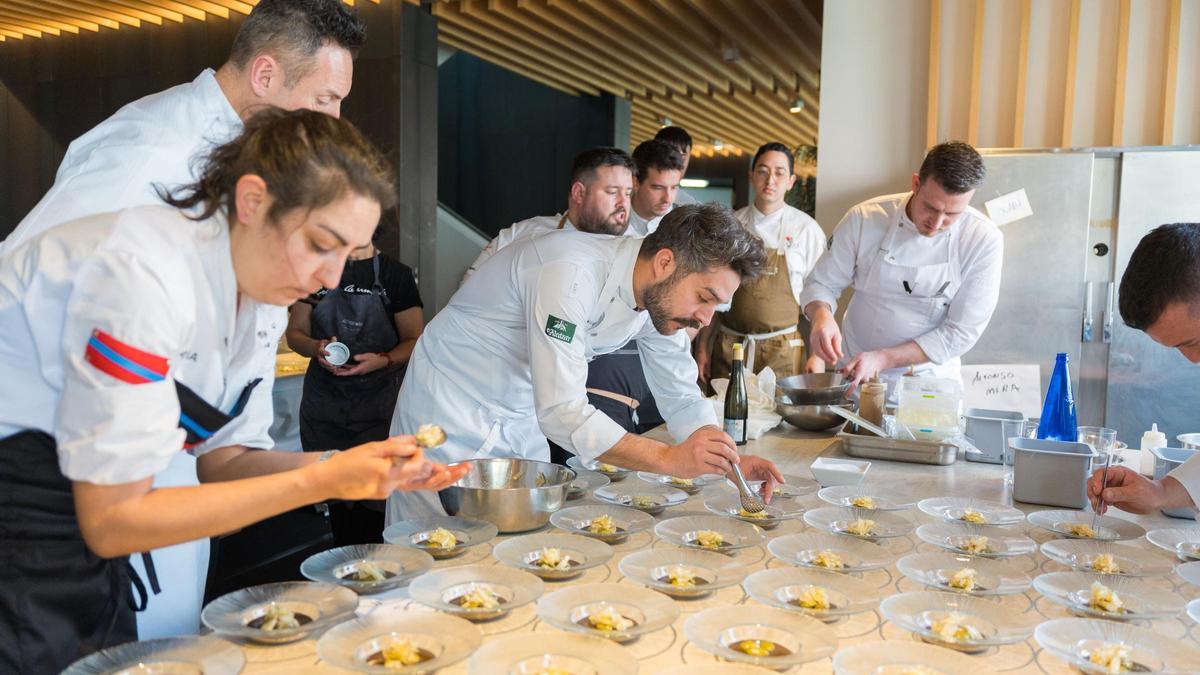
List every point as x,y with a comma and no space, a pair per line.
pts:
1058,413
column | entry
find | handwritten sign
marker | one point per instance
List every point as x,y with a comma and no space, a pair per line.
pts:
1003,387
1009,208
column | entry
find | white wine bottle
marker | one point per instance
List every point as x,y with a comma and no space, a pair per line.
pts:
737,403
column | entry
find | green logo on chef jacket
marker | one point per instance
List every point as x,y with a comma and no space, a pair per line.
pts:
559,329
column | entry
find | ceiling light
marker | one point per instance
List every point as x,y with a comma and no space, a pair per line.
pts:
695,183
797,105
666,121
717,144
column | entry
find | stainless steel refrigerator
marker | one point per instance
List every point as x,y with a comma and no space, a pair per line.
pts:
1062,270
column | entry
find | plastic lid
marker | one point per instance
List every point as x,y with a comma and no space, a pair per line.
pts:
1154,434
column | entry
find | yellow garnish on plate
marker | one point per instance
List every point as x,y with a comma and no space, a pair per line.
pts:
972,516
606,468
828,560
863,502
609,619
955,628
755,647
367,572
814,597
1112,658
861,527
602,524
1082,530
966,579
553,558
441,538
1105,564
682,482
710,539
757,515
644,502
479,598
279,618
401,652
975,545
681,577
1104,598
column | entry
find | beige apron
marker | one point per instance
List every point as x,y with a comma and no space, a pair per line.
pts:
763,315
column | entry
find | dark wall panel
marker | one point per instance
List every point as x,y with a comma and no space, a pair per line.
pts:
505,143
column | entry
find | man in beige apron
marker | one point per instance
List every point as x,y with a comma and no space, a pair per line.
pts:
765,313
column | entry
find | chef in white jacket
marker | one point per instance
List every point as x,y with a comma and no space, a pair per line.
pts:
655,185
925,269
598,202
155,141
1160,294
681,140
502,367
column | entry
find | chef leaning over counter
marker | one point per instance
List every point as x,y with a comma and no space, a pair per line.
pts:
124,337
925,269
287,53
503,366
1160,294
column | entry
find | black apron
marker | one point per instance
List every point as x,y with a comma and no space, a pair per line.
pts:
338,412
58,600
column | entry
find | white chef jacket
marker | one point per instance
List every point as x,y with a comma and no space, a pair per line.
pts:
516,232
503,366
155,140
157,282
954,274
793,233
1188,475
682,198
151,141
642,227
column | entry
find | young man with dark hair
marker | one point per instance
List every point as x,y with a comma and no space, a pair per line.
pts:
765,314
597,203
681,140
925,269
288,54
655,185
1160,295
502,368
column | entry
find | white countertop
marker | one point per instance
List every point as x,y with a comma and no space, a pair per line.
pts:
793,451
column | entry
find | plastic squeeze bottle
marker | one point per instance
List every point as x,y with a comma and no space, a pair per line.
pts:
1151,440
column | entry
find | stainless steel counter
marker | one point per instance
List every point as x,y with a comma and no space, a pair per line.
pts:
793,451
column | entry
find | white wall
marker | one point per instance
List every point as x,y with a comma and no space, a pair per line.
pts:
458,244
874,65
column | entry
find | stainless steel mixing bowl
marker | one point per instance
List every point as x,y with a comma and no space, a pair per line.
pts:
814,388
514,494
811,417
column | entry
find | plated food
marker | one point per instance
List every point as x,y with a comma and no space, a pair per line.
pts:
691,486
648,497
1098,646
709,533
971,511
958,621
856,522
1083,525
870,496
441,537
611,471
197,654
895,657
476,592
567,653
407,642
279,612
367,568
614,611
769,637
829,551
825,595
682,573
1107,557
1182,542
610,524
1109,596
553,556
963,574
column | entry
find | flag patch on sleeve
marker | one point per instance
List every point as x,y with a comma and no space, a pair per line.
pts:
123,361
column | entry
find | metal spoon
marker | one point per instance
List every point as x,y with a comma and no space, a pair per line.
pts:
750,503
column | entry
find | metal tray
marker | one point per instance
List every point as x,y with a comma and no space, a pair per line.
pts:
870,446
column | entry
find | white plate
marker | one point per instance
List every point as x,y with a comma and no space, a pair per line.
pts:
646,497
919,611
569,608
533,652
713,571
206,653
1107,528
718,629
777,511
954,537
837,519
791,488
786,587
415,533
936,569
683,531
323,604
1132,561
1182,542
894,656
582,553
576,519
446,639
439,589
1142,601
689,485
1073,639
585,481
879,497
804,548
952,510
612,472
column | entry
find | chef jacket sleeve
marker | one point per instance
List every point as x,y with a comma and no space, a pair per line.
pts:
671,373
803,254
118,415
1188,475
252,428
558,304
973,304
834,271
504,238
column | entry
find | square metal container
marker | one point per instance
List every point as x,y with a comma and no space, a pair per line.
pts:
1165,460
870,446
1051,473
985,428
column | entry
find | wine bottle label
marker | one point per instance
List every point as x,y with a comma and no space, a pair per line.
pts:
736,430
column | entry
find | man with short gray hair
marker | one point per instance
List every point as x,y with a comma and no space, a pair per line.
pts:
503,367
925,269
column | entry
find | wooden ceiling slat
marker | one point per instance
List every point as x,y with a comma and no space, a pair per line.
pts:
236,5
186,10
15,22
88,7
485,22
144,11
42,18
552,80
21,30
5,34
634,60
74,16
612,60
565,72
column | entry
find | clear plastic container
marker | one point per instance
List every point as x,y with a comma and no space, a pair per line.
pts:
930,407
